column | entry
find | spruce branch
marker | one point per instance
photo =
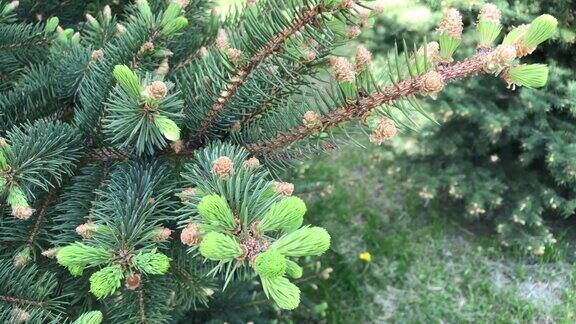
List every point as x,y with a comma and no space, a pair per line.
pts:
22,35
106,154
33,290
24,43
78,201
141,305
41,214
274,96
103,177
21,301
261,211
365,105
239,77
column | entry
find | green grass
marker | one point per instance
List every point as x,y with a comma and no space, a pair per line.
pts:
426,267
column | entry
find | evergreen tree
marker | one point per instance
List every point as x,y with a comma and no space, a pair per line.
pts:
506,154
158,120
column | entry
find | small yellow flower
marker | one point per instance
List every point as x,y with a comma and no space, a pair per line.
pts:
365,256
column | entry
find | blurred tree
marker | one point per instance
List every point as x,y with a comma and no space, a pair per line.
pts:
505,155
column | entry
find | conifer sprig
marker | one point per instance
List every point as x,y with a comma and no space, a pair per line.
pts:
31,292
364,106
238,77
426,82
248,233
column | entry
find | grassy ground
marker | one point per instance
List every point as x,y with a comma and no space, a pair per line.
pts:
425,267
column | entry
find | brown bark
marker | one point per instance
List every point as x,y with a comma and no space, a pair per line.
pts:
22,301
40,218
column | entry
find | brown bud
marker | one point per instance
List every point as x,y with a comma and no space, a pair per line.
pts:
120,29
504,54
223,167
156,90
363,13
325,274
489,12
432,51
147,47
252,163
451,23
107,12
348,4
97,55
203,52
353,31
523,50
133,281
500,58
90,19
311,119
85,230
284,189
385,130
222,40
190,235
21,259
237,126
50,253
431,82
22,212
379,6
187,194
178,146
363,58
162,234
539,250
183,3
235,55
343,70
309,55
163,68
506,76
19,315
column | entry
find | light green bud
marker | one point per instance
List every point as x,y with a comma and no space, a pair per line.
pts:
215,210
217,246
152,263
270,263
167,127
303,242
105,281
93,317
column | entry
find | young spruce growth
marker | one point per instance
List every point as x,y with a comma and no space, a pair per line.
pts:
161,119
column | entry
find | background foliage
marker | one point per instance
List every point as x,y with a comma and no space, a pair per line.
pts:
503,156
